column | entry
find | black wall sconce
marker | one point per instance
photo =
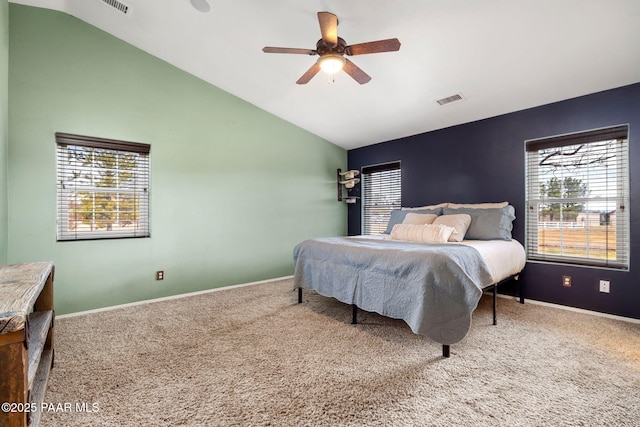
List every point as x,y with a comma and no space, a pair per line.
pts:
348,180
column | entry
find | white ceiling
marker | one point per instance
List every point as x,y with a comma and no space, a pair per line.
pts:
502,55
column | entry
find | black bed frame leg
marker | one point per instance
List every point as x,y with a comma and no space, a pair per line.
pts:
445,350
299,295
520,293
495,305
354,314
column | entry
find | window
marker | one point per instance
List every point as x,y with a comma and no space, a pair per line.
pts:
578,198
381,188
103,188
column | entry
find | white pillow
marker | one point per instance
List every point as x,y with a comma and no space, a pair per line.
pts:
440,205
460,222
478,205
426,233
416,218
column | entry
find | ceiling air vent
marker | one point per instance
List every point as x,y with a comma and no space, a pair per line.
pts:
449,99
117,5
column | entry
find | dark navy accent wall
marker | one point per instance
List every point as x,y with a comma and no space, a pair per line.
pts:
483,161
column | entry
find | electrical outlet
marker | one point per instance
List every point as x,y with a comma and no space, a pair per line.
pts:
605,286
160,275
566,281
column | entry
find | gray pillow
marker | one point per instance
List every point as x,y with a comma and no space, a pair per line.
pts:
397,216
487,224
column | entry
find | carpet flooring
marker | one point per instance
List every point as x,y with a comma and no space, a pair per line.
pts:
251,356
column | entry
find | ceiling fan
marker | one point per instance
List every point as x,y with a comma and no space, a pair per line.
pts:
332,49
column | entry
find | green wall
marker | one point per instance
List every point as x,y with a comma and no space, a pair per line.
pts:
233,188
4,125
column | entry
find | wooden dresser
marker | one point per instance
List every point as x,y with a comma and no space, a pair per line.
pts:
26,340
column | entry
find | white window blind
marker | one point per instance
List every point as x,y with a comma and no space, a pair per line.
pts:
381,189
102,188
578,198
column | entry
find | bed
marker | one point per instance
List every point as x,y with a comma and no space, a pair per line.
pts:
433,284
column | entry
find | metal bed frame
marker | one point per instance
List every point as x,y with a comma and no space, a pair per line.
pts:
446,349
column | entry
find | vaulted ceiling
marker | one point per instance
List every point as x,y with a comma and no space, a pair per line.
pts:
500,55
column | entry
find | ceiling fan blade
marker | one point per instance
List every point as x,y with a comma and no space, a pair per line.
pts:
269,49
388,45
356,72
315,68
329,28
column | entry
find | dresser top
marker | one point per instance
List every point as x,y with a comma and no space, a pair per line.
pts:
20,285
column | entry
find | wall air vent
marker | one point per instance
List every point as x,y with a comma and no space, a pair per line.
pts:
449,99
117,5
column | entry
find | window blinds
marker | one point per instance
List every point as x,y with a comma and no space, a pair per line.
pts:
578,198
102,188
381,188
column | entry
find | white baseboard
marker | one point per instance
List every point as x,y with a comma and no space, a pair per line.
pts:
149,301
564,307
206,291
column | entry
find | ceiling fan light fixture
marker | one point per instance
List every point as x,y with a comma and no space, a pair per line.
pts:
331,50
331,63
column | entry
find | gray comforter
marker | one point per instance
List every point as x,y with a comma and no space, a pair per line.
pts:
432,287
